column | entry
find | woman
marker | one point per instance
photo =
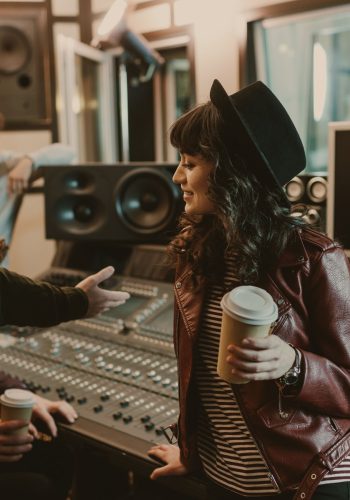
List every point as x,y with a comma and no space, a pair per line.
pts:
285,434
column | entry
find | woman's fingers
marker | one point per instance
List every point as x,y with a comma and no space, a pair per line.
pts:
15,450
42,413
66,410
169,454
10,458
260,359
167,470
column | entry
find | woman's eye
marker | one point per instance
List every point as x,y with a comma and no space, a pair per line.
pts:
189,166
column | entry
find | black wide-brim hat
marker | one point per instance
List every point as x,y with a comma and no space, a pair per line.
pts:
258,128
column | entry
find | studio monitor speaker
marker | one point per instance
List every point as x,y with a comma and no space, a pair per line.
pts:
308,197
24,64
131,203
338,212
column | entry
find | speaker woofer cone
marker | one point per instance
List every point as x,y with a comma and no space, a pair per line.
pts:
79,214
295,189
15,50
317,189
145,200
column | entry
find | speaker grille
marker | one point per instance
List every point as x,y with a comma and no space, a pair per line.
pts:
145,201
124,202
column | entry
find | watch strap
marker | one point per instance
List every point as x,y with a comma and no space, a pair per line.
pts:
292,376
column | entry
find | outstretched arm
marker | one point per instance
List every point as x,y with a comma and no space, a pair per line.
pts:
101,300
26,302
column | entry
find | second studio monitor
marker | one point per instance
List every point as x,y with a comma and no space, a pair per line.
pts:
308,196
127,202
25,92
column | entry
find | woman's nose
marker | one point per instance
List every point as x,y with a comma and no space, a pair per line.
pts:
178,175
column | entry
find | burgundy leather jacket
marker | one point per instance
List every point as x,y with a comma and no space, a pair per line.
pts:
311,286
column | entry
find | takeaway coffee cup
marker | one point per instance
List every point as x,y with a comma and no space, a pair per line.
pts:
17,404
248,311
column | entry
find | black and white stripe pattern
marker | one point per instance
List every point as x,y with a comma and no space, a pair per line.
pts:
339,474
227,450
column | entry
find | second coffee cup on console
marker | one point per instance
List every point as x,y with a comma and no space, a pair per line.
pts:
17,404
247,311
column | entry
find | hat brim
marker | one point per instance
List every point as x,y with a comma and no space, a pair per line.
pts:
238,138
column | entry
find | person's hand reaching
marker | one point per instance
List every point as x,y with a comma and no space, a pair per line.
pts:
101,300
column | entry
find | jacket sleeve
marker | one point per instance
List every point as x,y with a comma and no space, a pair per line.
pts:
25,302
326,381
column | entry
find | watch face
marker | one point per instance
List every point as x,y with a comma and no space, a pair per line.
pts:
291,378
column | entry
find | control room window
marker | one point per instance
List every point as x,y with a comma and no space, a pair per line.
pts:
304,58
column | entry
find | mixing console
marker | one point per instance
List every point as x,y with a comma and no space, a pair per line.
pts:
117,369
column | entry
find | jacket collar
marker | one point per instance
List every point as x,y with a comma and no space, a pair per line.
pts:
294,254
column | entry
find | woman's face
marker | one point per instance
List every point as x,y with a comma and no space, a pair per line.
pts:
192,175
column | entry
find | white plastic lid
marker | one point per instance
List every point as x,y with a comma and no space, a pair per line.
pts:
251,305
18,398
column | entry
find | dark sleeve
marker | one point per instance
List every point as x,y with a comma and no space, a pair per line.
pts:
7,382
36,303
326,385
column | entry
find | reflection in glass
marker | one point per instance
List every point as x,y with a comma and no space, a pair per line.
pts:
304,59
87,109
177,94
153,106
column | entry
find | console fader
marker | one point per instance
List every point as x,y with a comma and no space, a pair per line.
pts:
118,369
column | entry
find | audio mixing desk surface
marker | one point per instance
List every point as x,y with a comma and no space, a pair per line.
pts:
117,369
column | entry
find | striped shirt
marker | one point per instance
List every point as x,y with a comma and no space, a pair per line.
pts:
229,454
227,450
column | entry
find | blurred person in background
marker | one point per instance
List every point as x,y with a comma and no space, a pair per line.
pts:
17,171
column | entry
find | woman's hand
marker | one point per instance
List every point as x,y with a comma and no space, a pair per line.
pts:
43,410
170,455
101,300
18,177
12,447
265,358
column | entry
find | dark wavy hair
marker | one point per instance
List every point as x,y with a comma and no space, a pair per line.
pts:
251,220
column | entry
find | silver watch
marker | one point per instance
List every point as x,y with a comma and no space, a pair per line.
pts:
291,377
